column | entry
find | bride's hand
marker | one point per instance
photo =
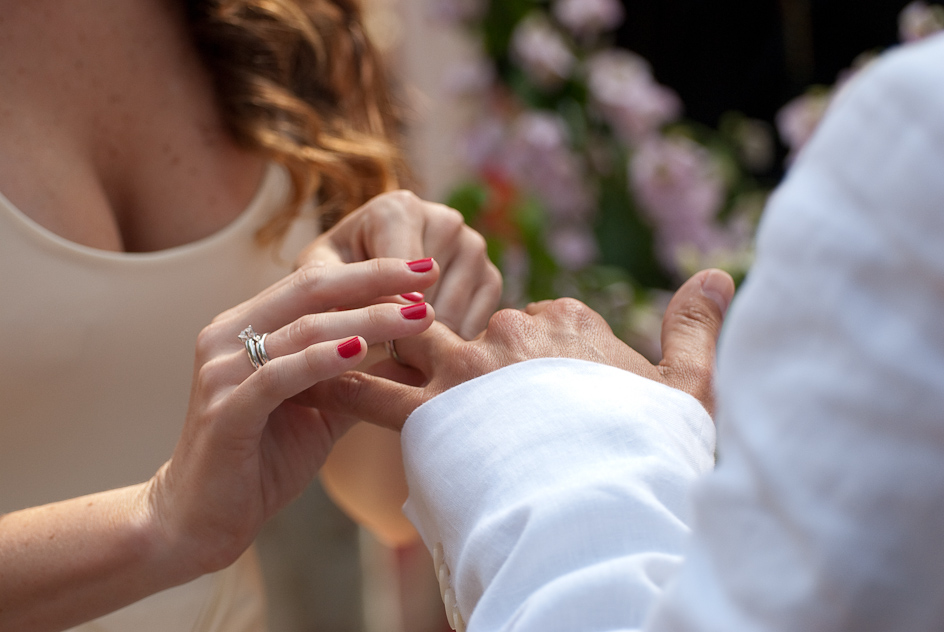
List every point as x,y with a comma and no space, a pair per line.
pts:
399,224
246,451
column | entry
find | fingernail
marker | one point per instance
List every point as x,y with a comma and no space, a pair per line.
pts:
716,287
415,297
421,265
350,348
414,312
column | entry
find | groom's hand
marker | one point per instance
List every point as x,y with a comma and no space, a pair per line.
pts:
564,328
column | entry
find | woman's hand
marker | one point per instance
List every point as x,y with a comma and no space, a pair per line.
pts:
364,475
246,451
399,224
564,328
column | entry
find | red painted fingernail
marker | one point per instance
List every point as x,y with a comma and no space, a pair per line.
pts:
414,312
416,297
350,348
421,265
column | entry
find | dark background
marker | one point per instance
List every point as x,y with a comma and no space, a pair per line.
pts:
753,55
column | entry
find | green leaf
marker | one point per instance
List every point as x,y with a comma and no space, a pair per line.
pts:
469,199
625,239
499,23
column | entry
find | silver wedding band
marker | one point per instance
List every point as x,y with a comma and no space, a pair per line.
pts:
392,351
255,346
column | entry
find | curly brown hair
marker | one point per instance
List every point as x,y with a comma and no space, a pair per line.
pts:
300,82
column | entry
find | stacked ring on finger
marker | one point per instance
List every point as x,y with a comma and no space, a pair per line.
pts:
392,351
255,346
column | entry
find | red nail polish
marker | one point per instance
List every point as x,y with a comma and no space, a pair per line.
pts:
350,348
421,265
415,297
414,312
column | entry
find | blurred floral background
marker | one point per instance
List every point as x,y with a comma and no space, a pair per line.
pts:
586,175
607,149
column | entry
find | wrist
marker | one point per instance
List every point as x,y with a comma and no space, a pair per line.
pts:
173,552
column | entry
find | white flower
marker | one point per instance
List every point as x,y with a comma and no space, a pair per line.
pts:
589,17
541,51
623,89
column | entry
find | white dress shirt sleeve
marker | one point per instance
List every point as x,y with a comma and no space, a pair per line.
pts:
558,489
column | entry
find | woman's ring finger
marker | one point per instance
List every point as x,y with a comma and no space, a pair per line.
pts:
255,346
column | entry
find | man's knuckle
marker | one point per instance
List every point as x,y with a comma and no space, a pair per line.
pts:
575,313
349,387
506,319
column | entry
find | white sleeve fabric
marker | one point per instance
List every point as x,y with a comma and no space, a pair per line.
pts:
559,489
556,490
826,509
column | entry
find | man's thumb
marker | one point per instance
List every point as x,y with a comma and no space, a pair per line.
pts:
690,331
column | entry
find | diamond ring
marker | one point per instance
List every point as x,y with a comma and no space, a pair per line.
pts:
255,346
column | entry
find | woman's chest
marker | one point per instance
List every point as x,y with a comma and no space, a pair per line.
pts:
136,192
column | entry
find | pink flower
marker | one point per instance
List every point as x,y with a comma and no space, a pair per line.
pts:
573,246
623,89
586,18
539,157
541,51
798,119
483,143
919,20
680,188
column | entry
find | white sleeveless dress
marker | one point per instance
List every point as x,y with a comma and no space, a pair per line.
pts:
97,359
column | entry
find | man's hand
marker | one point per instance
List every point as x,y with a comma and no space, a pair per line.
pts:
565,328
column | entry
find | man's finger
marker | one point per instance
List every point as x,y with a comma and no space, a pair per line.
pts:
690,331
537,307
368,397
423,350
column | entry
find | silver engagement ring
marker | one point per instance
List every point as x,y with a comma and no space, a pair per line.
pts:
255,346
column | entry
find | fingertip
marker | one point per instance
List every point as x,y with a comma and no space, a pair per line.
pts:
718,286
417,311
351,347
421,265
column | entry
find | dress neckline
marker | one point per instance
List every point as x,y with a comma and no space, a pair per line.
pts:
271,190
